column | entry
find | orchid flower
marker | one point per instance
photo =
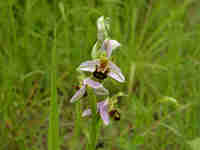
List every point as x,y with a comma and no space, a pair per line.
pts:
104,68
101,68
102,109
103,28
108,46
98,88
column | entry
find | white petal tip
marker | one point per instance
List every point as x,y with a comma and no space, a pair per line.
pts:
106,123
73,100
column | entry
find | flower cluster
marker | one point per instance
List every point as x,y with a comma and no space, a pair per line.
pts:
100,68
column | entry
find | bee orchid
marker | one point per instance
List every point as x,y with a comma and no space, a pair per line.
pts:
101,68
98,89
102,109
103,43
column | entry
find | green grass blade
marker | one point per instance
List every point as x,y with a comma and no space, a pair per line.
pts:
94,124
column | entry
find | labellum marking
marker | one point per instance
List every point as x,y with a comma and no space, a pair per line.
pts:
101,70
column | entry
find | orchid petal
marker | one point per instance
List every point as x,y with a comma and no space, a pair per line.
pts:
98,87
112,45
78,94
86,112
89,65
103,110
101,91
109,46
102,103
115,72
92,83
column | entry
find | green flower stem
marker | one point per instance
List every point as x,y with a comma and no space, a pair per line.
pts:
94,126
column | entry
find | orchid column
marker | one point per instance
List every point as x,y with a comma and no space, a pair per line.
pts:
100,67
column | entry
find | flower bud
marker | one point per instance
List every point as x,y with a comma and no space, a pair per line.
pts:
103,26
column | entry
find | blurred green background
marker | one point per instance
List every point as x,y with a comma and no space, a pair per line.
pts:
159,57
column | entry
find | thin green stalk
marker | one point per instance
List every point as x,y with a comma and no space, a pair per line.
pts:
53,133
78,119
94,125
77,125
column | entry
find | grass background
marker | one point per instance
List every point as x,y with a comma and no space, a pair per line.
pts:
161,39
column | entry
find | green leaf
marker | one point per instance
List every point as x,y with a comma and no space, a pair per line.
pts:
168,99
